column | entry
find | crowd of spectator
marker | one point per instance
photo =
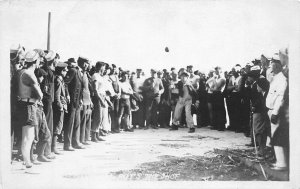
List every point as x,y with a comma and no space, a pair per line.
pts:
78,102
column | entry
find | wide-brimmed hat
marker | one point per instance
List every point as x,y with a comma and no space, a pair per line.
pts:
275,58
50,55
31,56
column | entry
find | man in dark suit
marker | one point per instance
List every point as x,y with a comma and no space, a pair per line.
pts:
73,81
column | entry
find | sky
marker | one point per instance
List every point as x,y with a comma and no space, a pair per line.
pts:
133,34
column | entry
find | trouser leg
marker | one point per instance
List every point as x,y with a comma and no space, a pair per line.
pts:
49,118
68,132
154,111
178,111
96,116
88,125
148,111
83,117
76,129
188,114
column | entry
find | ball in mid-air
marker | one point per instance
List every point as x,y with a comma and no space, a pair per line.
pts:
166,49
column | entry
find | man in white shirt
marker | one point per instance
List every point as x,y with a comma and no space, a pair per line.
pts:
218,106
124,109
98,101
274,102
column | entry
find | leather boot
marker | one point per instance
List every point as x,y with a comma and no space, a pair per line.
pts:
94,138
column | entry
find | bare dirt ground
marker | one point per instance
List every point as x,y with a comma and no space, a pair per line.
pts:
144,155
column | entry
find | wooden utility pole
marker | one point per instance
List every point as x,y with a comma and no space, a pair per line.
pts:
48,34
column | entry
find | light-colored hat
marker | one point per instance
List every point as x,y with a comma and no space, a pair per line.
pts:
275,58
50,55
31,56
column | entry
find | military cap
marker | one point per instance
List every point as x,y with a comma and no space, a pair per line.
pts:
31,56
113,66
50,55
138,70
172,68
189,66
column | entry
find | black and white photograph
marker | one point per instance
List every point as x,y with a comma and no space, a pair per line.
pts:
149,94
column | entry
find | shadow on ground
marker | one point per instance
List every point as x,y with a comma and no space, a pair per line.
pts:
191,168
